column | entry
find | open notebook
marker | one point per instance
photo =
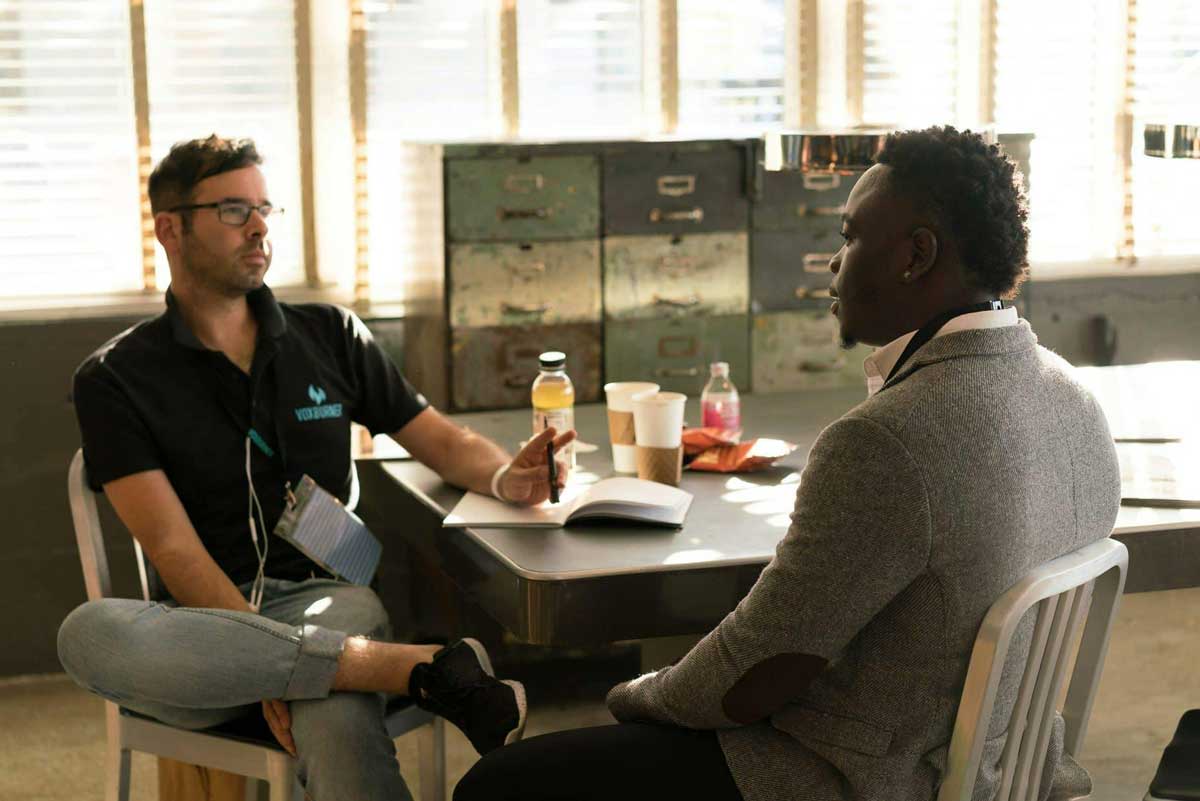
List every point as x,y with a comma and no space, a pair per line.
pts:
617,498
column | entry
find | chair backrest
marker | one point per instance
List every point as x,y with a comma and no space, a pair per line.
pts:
90,537
1060,589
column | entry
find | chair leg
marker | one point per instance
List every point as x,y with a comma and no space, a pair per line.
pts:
431,753
116,767
281,776
117,774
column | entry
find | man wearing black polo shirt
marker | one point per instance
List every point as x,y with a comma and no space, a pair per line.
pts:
194,423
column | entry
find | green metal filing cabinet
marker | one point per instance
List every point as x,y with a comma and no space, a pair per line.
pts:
493,367
523,271
648,277
675,352
504,283
522,199
676,262
795,231
800,349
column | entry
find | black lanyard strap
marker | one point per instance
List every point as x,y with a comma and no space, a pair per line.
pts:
930,329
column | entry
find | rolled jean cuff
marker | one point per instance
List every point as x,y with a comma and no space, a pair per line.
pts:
316,664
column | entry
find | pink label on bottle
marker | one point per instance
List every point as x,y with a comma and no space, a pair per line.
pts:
721,414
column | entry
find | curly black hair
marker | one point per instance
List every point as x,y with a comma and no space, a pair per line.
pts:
974,191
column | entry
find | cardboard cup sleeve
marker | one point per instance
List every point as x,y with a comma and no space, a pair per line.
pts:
620,427
664,465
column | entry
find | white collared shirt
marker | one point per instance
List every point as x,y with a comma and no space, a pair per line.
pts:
880,363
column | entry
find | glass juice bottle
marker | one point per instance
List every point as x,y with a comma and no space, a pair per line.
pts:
554,398
719,403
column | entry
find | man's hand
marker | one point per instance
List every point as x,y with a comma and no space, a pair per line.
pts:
527,480
279,718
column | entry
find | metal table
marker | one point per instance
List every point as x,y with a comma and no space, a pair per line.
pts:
603,583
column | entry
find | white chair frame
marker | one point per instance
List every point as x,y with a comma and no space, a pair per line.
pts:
1060,589
127,733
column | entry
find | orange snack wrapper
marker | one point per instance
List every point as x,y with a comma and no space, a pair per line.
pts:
698,440
745,457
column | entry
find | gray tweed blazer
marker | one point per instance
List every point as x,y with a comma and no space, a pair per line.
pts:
979,460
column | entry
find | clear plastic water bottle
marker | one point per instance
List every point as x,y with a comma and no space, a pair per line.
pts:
553,397
719,403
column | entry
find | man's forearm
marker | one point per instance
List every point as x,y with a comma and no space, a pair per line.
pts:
473,463
194,579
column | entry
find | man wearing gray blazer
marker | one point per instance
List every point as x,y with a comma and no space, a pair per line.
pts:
975,458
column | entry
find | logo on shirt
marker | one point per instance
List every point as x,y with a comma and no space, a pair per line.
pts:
320,410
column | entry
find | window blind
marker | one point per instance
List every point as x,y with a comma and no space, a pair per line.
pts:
1058,71
69,219
580,68
431,76
1166,71
910,63
731,66
229,67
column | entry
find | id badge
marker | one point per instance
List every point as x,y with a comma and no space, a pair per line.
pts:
329,534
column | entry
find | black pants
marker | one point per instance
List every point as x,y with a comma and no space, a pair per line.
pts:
629,761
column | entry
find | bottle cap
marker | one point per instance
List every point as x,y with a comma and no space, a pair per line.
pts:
552,360
718,368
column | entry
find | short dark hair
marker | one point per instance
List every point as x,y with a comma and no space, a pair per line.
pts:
189,163
974,191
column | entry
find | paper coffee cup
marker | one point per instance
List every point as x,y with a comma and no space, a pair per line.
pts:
620,421
664,465
658,434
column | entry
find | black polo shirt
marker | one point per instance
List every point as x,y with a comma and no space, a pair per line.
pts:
154,398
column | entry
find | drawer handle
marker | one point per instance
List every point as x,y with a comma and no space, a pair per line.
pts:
677,372
676,347
822,181
683,263
532,270
678,303
524,184
803,293
822,367
514,308
523,214
695,215
817,262
518,381
805,210
676,185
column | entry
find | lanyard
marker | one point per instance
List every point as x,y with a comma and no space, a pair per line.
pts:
927,331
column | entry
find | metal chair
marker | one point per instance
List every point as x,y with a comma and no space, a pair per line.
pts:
261,759
1060,589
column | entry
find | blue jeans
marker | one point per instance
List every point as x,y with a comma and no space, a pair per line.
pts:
196,668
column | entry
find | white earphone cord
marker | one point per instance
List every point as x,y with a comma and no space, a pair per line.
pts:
256,589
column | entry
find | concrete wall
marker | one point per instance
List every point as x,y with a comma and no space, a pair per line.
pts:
1153,318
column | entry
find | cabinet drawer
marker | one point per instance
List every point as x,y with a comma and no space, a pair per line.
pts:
801,350
675,353
494,367
790,269
789,200
648,277
663,190
531,283
552,197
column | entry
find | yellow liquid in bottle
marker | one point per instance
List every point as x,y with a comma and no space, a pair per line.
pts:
554,406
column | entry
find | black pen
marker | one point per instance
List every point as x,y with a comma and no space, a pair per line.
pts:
553,472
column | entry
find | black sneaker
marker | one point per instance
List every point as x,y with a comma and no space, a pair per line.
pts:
460,686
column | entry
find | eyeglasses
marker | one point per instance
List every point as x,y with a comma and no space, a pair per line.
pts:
233,212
